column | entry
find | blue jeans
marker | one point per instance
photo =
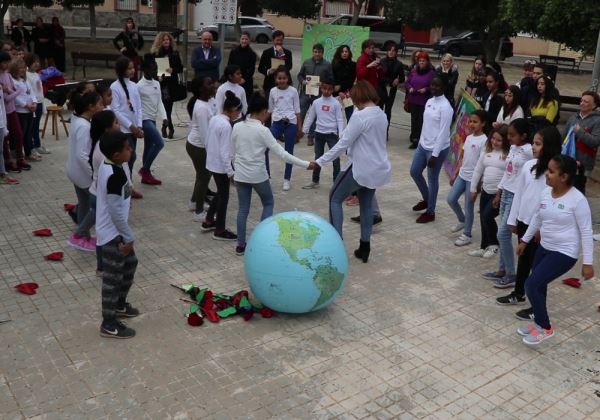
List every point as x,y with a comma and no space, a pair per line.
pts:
547,266
244,191
419,163
99,265
37,117
344,185
320,141
289,136
153,143
507,254
459,188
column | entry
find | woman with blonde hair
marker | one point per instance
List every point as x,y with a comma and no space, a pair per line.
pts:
448,72
164,46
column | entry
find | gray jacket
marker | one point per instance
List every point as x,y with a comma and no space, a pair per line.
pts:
311,68
588,138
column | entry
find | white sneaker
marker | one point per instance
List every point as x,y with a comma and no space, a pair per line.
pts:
491,251
457,227
462,240
200,217
35,154
596,237
42,150
286,185
476,252
192,206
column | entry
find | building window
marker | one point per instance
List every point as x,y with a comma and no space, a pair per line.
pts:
126,5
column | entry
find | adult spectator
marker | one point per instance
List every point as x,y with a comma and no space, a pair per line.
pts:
20,35
392,77
545,105
492,101
244,56
475,85
164,46
533,71
586,126
448,72
130,42
314,66
265,65
344,75
58,45
206,58
417,91
41,37
368,65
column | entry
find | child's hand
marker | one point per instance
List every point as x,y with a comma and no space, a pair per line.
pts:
496,202
126,248
587,271
521,248
452,179
473,196
512,228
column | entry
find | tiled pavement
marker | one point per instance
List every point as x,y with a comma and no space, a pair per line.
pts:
415,334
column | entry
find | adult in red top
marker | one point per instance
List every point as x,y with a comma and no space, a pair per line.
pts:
367,66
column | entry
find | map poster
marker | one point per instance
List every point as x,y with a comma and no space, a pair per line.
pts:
331,37
224,11
458,132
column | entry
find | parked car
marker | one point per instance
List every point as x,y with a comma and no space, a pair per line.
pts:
469,43
260,30
381,30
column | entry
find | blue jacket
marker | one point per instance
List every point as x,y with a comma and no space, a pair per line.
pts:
206,67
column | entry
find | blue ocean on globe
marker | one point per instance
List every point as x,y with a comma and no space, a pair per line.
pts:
295,262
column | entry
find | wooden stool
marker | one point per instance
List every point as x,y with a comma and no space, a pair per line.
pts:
56,112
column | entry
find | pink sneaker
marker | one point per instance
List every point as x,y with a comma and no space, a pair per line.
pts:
82,244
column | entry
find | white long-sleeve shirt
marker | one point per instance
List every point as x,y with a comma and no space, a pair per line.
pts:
518,113
517,157
24,96
151,98
36,86
79,170
218,146
284,103
365,140
97,159
327,111
527,195
2,114
250,139
126,114
237,90
113,200
564,223
437,118
471,153
201,115
489,170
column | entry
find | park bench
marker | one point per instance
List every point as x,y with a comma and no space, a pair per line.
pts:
569,103
565,63
153,30
80,58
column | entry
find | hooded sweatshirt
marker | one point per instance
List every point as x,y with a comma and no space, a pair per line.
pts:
587,139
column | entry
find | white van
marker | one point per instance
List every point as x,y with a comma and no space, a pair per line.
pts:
382,31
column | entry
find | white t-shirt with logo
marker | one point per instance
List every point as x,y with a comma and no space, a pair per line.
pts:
284,103
471,153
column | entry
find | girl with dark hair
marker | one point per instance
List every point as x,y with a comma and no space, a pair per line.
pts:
461,179
491,101
564,223
392,78
218,162
250,140
231,82
545,106
105,92
511,110
532,181
79,168
102,122
432,150
244,56
129,42
344,75
127,106
476,78
368,167
418,93
520,152
200,112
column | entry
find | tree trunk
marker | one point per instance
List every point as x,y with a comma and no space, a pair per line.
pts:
357,4
491,48
92,21
3,10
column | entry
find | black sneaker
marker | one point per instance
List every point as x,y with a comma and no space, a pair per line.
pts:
240,249
376,219
127,311
116,329
525,314
73,214
208,226
226,235
512,299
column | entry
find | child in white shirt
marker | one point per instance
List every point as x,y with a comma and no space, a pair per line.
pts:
233,74
327,111
33,78
26,104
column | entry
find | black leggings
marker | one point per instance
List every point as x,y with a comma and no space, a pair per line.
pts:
487,217
525,261
218,204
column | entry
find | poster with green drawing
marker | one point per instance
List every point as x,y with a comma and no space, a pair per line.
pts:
332,36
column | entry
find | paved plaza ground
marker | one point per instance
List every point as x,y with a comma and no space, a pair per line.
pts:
416,333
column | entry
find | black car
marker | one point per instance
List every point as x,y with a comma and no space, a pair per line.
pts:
469,43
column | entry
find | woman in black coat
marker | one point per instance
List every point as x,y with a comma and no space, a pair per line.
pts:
492,100
392,78
58,44
344,74
129,42
245,57
164,46
20,36
448,72
41,35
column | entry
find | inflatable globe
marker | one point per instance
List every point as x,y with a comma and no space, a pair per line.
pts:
295,262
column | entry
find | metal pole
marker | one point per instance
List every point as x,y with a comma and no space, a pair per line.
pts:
596,72
222,48
186,18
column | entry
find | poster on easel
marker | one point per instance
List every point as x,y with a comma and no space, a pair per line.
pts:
459,129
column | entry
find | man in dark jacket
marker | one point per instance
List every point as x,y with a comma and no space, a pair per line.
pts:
245,57
265,64
206,58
